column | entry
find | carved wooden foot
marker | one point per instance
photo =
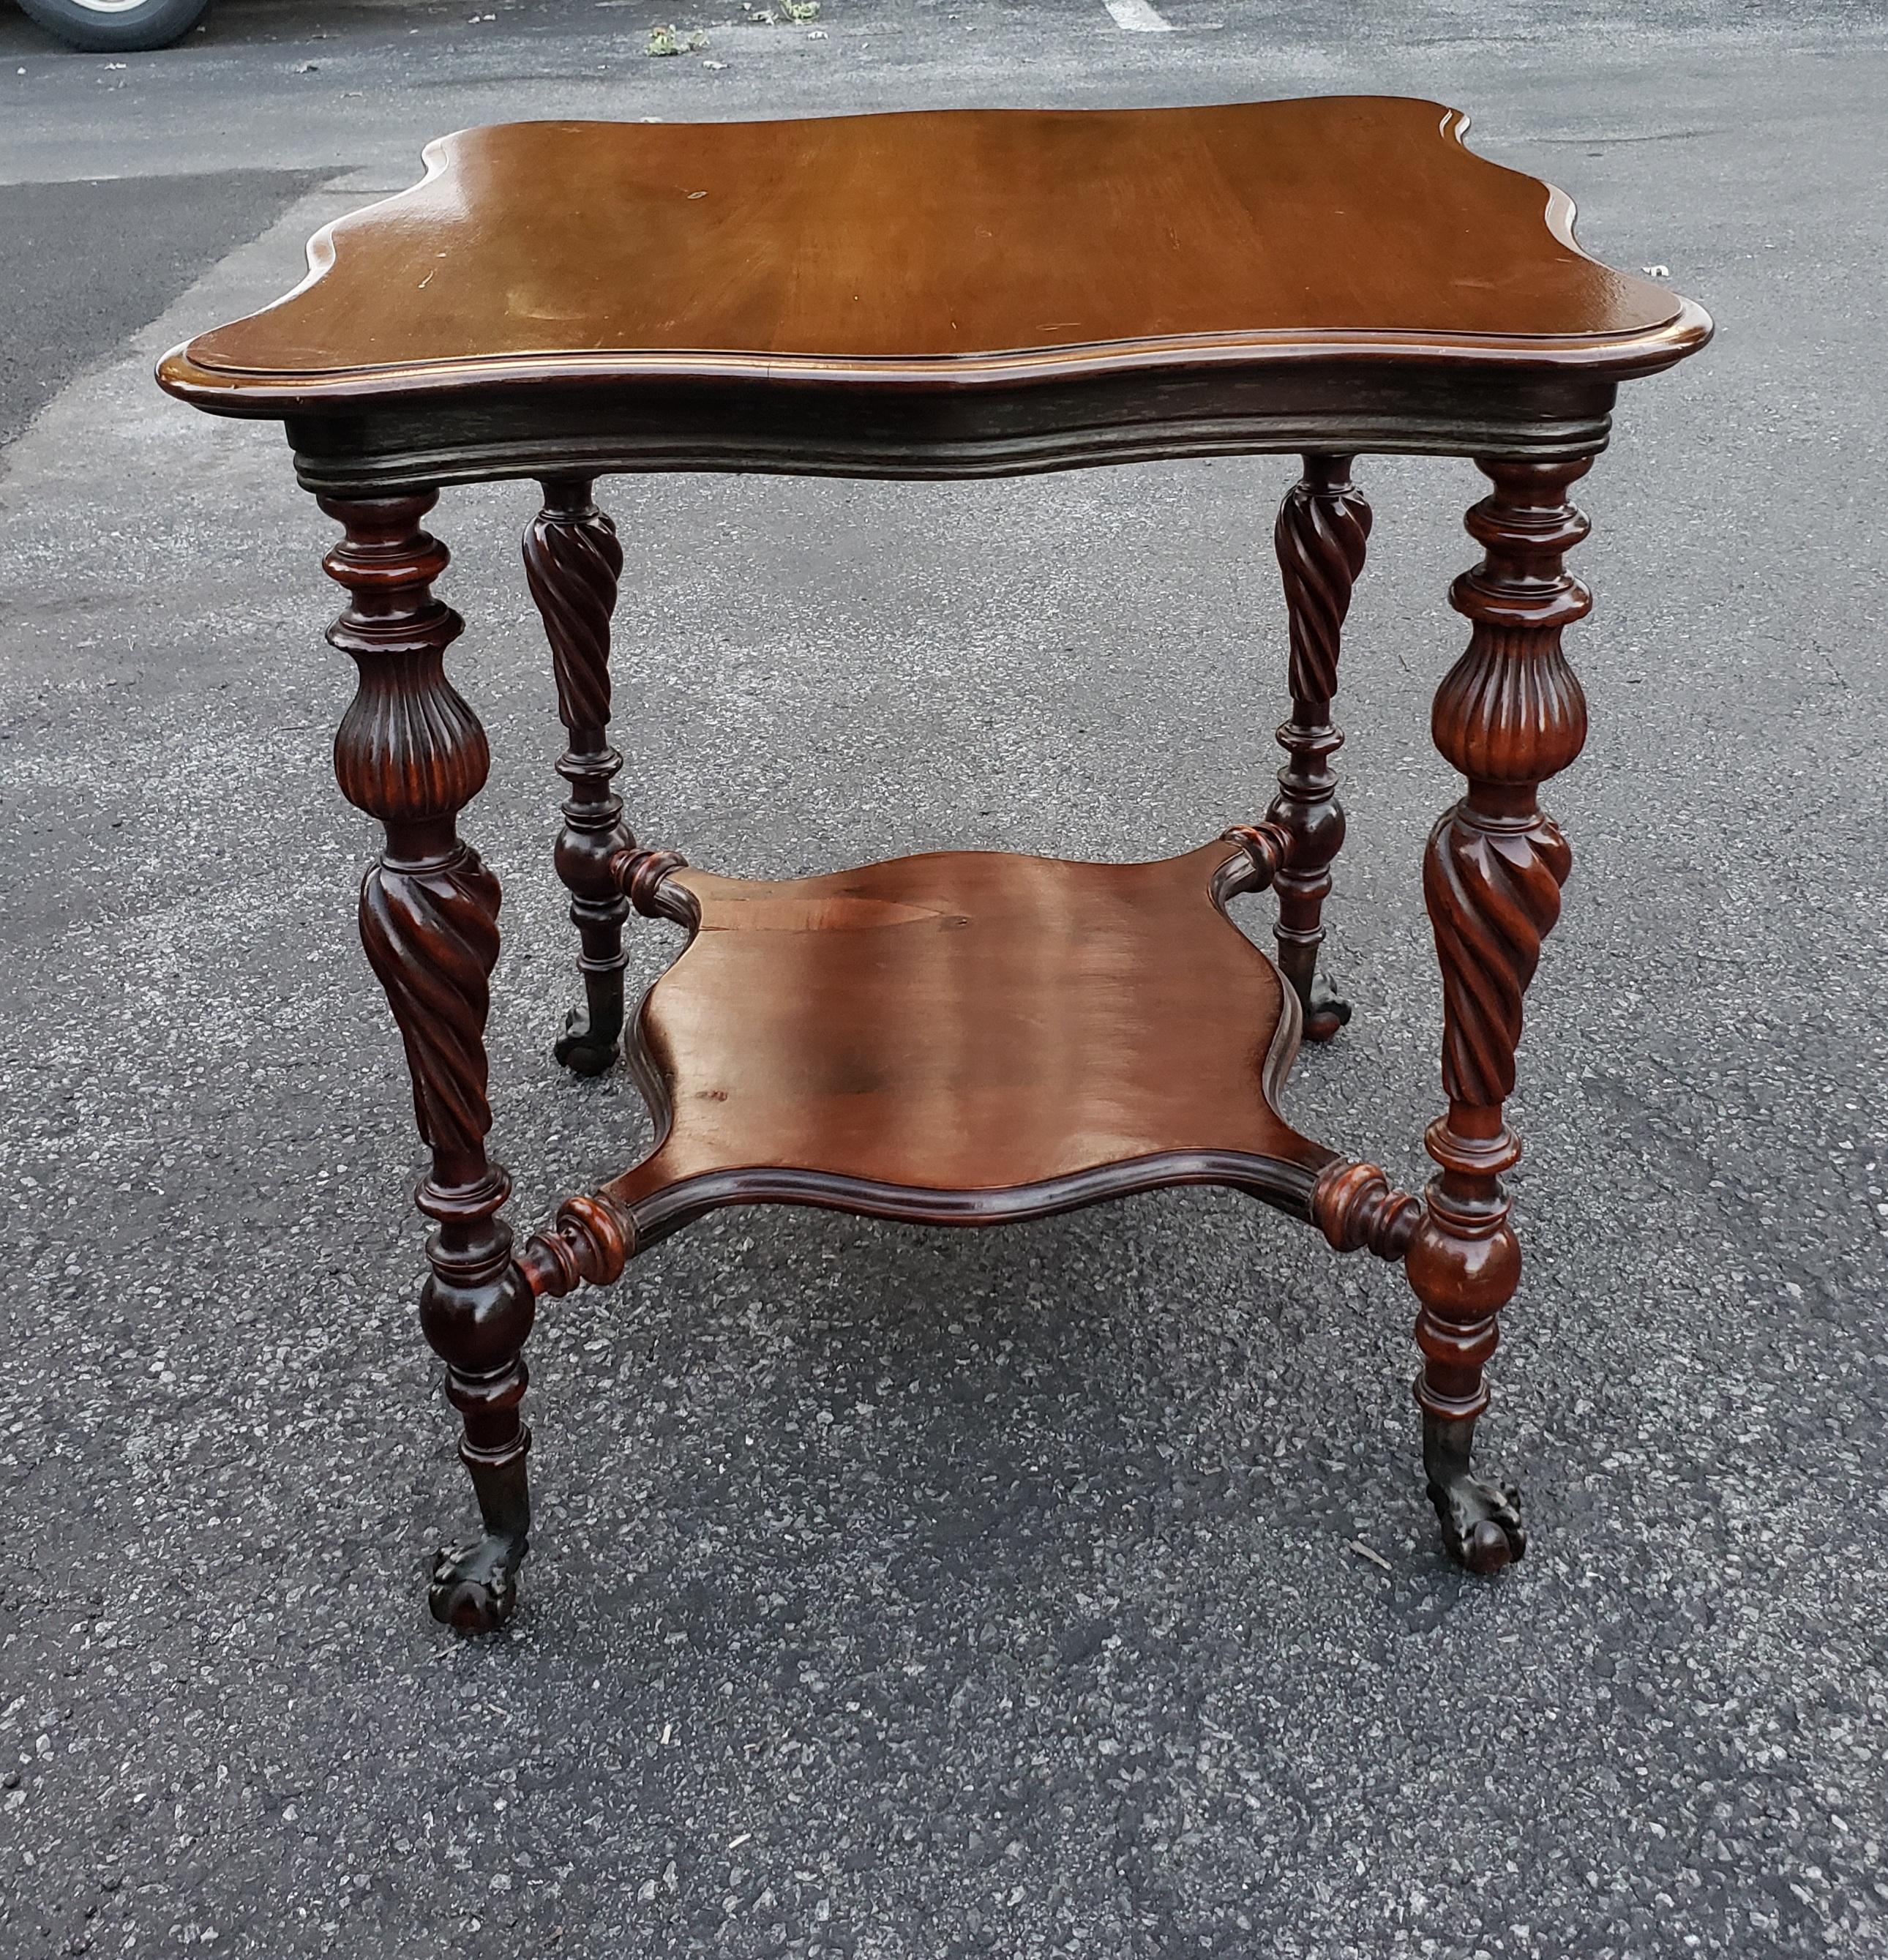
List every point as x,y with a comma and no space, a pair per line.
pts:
1323,526
410,753
1481,1522
1509,714
475,1588
573,562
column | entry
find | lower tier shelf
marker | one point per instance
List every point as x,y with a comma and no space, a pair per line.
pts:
966,1038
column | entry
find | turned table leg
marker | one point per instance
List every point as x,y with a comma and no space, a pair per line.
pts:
410,753
1509,714
573,561
1323,526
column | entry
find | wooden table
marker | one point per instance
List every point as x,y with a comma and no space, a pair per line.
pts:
966,1037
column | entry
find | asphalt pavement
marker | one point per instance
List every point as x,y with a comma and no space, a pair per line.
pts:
913,1595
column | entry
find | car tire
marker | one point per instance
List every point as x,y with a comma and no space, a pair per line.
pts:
114,26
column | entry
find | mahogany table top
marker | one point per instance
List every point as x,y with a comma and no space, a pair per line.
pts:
1009,246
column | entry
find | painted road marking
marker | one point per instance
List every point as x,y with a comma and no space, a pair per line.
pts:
1137,17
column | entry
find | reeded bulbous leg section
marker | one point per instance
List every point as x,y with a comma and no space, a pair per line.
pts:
1323,527
573,563
1509,714
410,753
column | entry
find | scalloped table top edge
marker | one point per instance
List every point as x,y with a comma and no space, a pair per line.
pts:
941,249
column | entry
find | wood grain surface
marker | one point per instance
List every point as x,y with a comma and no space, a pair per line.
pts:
967,1022
975,242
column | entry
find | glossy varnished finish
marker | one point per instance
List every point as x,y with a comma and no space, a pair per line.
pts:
1508,715
964,1038
1029,240
957,1038
572,562
1323,526
410,753
954,292
970,1033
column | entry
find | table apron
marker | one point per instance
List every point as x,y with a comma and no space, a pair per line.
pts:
807,429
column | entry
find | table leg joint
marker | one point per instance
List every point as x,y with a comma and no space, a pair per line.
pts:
1357,1208
1266,846
645,879
589,1243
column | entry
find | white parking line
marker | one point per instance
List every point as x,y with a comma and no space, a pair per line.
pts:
1136,16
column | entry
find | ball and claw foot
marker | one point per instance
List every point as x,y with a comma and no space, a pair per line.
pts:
579,1051
1481,1522
1324,1013
475,1589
